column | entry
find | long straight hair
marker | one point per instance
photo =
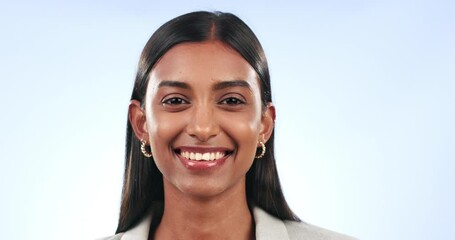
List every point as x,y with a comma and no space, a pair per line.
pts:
143,182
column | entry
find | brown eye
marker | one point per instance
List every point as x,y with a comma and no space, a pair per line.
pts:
174,101
175,104
232,101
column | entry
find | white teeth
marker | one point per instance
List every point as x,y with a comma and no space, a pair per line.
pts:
202,156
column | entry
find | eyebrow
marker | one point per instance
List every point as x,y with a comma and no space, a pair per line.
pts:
178,84
233,83
217,86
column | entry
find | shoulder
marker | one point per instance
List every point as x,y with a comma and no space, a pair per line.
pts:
115,237
302,230
140,230
269,227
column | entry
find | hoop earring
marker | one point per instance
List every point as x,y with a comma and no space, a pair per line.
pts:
263,150
146,154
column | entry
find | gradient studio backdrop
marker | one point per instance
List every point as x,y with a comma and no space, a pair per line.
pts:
364,91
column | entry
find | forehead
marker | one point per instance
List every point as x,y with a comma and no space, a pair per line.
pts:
202,61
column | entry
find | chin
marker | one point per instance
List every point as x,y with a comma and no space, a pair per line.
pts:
202,190
206,189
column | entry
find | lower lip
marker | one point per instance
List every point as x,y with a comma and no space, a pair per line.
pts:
202,165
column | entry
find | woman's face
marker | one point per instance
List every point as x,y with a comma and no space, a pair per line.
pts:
203,118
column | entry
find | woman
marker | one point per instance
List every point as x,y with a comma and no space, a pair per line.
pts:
199,153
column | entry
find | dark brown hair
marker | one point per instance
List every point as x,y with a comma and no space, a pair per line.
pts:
143,182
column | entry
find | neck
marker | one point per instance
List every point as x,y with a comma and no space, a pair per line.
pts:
226,216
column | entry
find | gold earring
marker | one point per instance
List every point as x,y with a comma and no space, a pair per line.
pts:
146,154
263,150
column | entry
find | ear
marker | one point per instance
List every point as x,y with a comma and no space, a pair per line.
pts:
268,123
136,116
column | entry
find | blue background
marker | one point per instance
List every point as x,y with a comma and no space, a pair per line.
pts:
364,93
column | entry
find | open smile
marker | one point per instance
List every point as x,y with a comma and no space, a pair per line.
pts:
197,158
202,154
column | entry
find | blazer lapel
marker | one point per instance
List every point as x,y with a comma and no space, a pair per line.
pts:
140,231
269,227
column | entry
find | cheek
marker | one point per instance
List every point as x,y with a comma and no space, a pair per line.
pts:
243,128
164,127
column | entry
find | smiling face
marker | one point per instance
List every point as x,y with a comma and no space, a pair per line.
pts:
203,118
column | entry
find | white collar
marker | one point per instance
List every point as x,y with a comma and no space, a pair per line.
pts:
269,227
140,231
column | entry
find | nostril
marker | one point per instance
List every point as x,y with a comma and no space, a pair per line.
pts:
203,124
203,134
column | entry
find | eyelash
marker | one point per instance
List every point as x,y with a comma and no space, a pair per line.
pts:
171,101
176,104
229,99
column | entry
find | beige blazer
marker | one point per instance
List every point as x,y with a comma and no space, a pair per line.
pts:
268,227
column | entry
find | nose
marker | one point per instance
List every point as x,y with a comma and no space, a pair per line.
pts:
203,124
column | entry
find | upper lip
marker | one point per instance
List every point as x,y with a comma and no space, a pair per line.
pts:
195,149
